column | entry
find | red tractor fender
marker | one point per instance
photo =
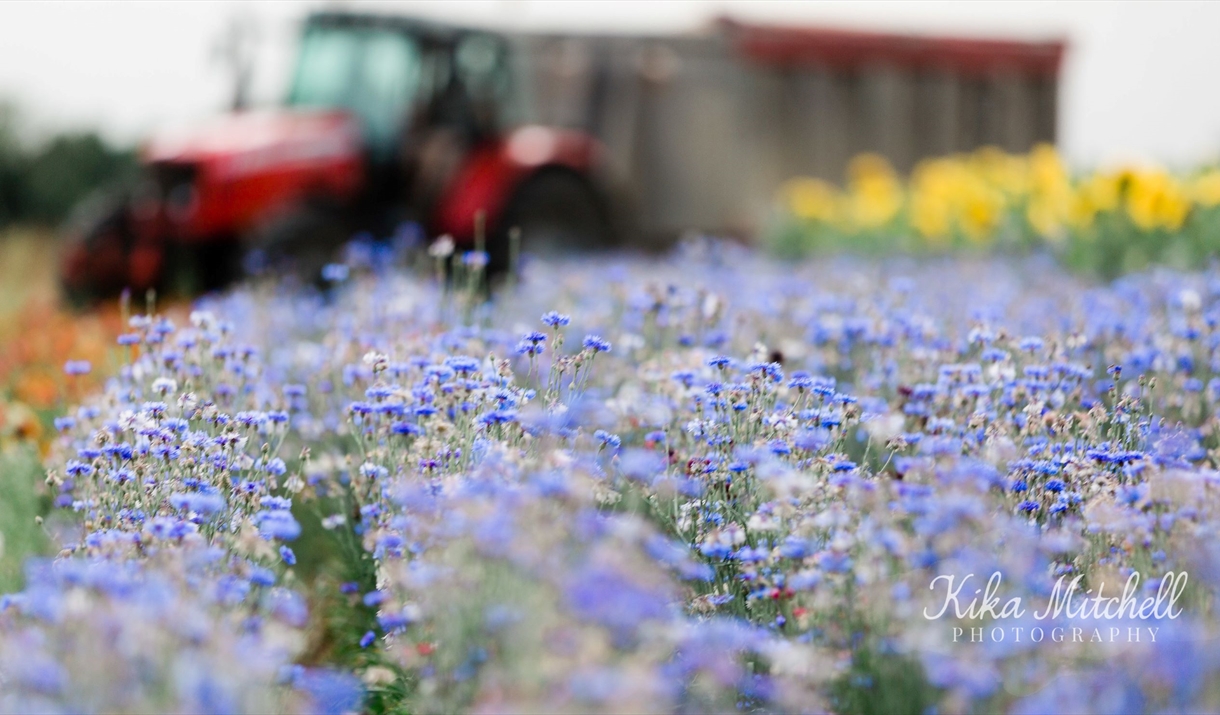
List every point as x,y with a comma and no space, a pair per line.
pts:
487,179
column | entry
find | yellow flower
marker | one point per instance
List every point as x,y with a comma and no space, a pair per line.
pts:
1050,204
1101,192
1155,200
812,200
982,209
932,187
875,192
1205,188
955,194
1006,172
1047,172
974,195
1048,214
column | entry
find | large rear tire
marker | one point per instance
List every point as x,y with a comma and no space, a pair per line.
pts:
298,244
556,211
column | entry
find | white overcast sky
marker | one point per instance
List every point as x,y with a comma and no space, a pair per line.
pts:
1140,81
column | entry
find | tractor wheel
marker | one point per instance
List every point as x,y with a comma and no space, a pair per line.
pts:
557,211
97,241
203,268
297,245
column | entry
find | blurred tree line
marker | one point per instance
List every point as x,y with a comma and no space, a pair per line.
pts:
40,183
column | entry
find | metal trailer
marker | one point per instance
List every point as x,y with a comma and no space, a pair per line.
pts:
702,129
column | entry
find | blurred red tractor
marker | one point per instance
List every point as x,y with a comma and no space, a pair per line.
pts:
388,120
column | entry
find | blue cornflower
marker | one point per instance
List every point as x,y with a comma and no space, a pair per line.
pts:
335,272
1028,506
475,259
407,429
78,469
330,692
367,639
379,392
835,561
801,380
278,524
751,555
720,361
770,370
77,367
368,470
532,349
499,417
794,547
596,344
685,377
462,364
1055,485
395,621
197,502
556,319
287,555
1130,495
260,576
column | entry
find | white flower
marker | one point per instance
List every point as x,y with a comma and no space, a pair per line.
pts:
165,385
203,319
442,247
377,361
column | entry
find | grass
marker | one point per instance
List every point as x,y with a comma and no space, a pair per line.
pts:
27,269
34,335
20,502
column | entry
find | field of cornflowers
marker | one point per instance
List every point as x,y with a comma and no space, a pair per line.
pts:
1105,222
712,482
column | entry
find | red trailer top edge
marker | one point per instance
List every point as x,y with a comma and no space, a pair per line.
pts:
850,49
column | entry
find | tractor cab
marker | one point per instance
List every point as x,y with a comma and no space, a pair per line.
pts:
397,76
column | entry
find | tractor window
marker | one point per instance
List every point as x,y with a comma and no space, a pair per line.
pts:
482,66
390,78
374,73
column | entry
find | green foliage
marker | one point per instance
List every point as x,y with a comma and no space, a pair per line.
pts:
883,683
20,503
42,184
